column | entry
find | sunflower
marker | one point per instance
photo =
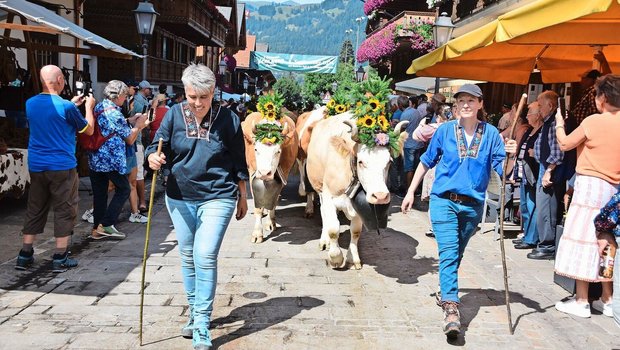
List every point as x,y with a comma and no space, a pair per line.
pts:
375,104
331,103
269,140
269,106
270,115
383,122
341,109
367,122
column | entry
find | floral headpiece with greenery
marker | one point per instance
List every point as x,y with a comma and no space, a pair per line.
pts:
373,115
269,129
339,104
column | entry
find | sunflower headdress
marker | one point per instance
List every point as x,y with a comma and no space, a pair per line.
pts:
339,103
373,115
269,129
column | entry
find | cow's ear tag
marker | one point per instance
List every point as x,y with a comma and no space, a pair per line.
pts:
353,189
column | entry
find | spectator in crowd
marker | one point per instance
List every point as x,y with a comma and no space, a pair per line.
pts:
141,103
396,111
53,124
204,144
109,162
586,106
521,126
412,149
607,224
508,116
160,111
467,150
525,171
550,186
128,105
437,102
597,180
421,104
396,172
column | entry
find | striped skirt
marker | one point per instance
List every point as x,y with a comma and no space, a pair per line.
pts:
577,253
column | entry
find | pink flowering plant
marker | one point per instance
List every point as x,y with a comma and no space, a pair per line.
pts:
418,32
371,5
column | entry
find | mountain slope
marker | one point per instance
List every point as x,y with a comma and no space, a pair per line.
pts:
313,29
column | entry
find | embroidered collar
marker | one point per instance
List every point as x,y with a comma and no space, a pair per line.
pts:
193,130
474,147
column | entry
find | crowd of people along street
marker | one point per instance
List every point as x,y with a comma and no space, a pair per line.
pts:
565,168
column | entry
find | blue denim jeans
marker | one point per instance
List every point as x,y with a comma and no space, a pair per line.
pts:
105,213
200,228
528,213
453,224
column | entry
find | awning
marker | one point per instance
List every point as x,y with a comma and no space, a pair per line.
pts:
47,18
558,37
422,85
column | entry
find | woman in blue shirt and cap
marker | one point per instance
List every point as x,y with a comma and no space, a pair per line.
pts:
464,152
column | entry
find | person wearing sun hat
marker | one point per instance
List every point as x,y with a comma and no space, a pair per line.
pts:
464,151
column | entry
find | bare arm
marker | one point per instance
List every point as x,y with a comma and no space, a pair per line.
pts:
568,142
417,178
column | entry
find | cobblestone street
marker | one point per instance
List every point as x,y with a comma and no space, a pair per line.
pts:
281,294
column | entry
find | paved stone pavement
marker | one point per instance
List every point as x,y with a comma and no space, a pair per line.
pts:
281,294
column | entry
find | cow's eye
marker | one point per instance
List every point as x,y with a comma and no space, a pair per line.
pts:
361,163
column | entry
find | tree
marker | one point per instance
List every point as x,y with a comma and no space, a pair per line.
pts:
317,83
289,88
346,52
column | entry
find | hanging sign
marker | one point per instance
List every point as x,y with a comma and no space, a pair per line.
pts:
293,63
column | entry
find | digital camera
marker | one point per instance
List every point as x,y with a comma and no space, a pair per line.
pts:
83,88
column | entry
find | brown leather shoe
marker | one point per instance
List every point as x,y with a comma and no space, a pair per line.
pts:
451,320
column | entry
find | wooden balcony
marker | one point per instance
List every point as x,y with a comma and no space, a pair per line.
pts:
194,20
159,70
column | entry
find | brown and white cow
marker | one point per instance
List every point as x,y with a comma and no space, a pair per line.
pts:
304,126
269,166
333,157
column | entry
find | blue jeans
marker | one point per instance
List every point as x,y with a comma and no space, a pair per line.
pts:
453,224
104,213
528,213
200,228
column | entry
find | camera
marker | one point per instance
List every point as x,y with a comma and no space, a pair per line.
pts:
83,88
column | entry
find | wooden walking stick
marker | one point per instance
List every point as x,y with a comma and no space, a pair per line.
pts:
146,242
502,194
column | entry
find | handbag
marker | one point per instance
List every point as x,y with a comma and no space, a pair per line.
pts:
92,143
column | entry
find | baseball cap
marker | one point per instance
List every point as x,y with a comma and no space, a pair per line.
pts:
144,85
471,89
592,74
439,98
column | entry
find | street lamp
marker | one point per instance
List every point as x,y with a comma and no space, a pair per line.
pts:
334,86
246,83
221,69
145,21
359,74
442,32
357,35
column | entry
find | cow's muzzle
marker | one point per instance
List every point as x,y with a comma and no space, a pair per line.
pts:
378,198
264,175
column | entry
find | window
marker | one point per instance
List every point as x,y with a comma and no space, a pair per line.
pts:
43,57
167,50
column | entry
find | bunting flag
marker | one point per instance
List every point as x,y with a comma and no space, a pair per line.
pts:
285,62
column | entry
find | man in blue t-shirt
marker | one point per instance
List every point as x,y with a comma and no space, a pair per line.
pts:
54,123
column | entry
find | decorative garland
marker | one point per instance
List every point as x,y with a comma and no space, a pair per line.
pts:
373,118
269,129
338,104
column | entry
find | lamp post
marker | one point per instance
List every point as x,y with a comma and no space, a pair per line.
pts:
334,86
221,69
359,74
346,37
246,83
357,36
442,32
145,21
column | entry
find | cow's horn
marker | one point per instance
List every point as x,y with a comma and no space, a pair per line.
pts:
285,129
400,125
353,127
253,128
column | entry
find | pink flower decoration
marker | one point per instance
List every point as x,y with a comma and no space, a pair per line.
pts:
382,139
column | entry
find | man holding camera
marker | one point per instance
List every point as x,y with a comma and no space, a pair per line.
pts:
54,123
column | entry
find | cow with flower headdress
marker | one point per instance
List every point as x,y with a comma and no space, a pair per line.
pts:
349,156
271,145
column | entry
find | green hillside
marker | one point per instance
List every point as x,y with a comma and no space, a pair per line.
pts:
315,29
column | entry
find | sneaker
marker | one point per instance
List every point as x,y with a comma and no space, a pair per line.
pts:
23,260
572,307
600,306
88,216
451,320
138,218
201,339
107,232
61,263
188,330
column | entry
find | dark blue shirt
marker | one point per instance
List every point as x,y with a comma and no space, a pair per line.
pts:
53,123
461,169
202,169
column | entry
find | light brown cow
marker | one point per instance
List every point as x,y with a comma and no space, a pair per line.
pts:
269,166
333,158
305,124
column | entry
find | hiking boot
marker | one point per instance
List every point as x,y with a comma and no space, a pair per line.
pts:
138,218
188,330
110,232
451,320
201,339
88,216
61,263
24,260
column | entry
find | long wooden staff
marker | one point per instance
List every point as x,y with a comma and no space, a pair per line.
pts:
146,242
502,193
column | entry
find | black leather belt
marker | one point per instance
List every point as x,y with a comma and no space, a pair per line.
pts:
459,198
